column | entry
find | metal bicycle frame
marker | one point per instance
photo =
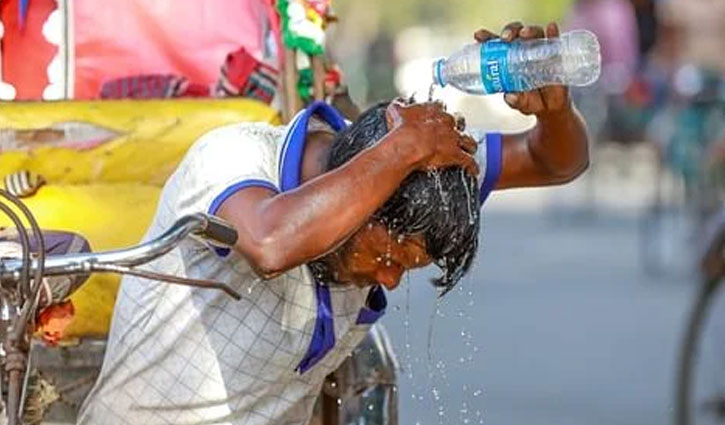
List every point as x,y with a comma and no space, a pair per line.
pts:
19,292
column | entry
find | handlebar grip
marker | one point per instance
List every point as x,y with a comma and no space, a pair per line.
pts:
220,231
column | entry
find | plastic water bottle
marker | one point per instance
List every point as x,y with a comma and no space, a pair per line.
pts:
496,66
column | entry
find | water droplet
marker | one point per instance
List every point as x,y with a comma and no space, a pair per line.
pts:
339,402
333,384
439,186
379,259
471,213
371,407
253,285
477,393
406,327
388,263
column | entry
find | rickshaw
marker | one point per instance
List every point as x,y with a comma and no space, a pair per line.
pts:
96,119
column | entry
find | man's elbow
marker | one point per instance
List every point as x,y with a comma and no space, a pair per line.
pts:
569,173
576,170
265,259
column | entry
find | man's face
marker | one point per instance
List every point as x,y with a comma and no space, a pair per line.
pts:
374,255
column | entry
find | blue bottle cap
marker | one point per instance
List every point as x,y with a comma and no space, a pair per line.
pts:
438,73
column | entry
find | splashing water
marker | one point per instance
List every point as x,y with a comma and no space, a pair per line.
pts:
440,391
389,247
440,366
436,312
439,187
471,217
253,285
406,327
431,91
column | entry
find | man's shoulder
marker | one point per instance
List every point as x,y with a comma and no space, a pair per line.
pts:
254,141
243,130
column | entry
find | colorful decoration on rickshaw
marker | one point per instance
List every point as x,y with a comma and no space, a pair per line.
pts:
306,82
304,23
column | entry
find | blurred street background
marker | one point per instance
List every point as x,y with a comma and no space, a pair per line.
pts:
575,310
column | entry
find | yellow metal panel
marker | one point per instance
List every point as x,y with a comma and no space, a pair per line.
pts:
153,136
109,216
108,193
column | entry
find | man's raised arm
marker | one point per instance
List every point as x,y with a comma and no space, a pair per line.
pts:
556,150
280,231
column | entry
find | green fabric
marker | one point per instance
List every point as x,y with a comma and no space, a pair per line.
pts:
305,84
294,41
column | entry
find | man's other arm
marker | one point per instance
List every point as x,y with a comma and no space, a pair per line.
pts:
556,150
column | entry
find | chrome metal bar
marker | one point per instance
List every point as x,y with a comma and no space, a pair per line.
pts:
30,293
23,273
198,283
10,269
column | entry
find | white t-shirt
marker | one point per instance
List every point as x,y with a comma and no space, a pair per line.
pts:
183,355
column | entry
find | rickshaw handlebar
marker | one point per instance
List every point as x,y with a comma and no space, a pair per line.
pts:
203,225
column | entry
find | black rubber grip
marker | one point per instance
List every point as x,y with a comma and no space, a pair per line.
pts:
220,231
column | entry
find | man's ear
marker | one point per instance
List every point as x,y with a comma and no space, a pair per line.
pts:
393,117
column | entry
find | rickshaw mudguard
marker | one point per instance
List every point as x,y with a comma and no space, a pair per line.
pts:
108,192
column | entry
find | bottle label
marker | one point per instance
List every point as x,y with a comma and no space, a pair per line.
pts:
494,67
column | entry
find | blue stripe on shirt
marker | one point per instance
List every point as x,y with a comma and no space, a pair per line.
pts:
493,164
217,202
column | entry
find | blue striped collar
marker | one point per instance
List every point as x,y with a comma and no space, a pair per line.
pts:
293,147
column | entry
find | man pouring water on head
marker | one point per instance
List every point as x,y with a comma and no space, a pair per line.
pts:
330,214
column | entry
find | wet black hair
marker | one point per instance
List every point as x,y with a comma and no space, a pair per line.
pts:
441,205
